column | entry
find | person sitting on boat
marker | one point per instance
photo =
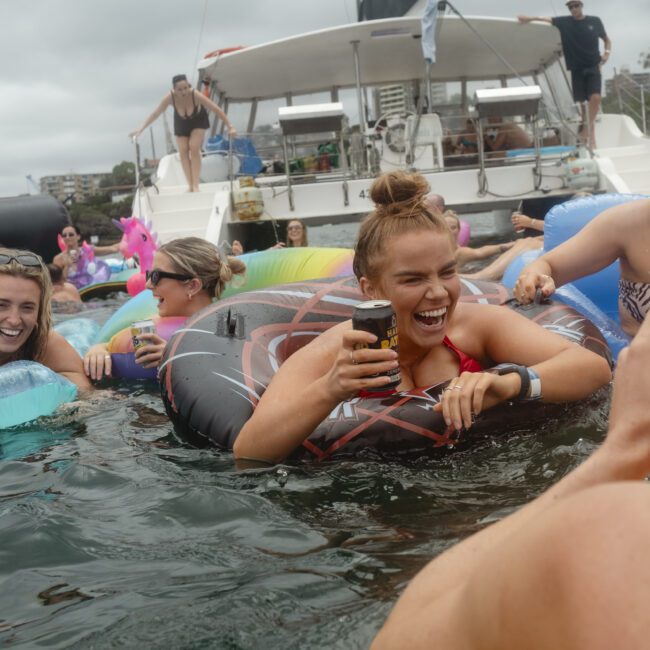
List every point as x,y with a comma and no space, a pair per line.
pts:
621,232
187,275
25,317
504,136
62,291
68,259
404,254
296,234
190,123
567,570
506,251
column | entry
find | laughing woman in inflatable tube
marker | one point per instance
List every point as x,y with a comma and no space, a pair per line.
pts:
187,275
25,317
404,254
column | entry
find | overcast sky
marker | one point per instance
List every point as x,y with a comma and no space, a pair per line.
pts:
78,75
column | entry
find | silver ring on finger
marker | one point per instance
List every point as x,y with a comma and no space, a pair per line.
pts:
457,387
352,359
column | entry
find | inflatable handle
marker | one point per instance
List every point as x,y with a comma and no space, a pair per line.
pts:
464,233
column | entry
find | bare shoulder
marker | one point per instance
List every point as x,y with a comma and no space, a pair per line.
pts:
63,359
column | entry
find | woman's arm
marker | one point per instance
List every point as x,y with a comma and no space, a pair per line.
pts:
63,359
210,105
567,371
522,221
466,254
600,243
307,387
164,103
107,250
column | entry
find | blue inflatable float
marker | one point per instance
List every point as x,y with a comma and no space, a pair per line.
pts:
30,390
596,295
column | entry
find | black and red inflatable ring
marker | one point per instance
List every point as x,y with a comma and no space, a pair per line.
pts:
216,368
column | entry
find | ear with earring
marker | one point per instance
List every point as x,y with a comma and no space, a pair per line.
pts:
189,297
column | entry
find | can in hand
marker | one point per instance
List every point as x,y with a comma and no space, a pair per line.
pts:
378,318
141,327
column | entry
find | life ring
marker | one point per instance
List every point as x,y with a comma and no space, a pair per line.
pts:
30,390
595,296
217,366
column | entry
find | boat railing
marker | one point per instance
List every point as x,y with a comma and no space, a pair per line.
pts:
317,158
631,98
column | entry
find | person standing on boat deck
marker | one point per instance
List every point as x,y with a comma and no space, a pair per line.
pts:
190,123
580,34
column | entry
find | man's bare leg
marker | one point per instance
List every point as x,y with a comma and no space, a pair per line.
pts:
594,107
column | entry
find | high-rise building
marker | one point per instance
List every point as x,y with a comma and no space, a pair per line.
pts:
78,186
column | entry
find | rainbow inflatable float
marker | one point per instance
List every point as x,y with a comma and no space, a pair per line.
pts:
263,269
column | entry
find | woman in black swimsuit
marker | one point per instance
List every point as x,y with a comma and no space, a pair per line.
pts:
190,122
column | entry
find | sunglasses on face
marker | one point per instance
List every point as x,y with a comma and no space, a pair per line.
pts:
574,6
28,259
68,234
156,276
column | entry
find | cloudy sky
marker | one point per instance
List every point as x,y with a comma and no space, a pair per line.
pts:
78,75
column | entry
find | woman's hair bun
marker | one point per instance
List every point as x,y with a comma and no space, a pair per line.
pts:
398,188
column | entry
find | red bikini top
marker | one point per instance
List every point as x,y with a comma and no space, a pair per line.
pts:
467,363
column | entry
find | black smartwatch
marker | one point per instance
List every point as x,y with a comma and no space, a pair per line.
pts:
531,386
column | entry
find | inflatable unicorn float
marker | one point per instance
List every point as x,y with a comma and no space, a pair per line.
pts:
138,241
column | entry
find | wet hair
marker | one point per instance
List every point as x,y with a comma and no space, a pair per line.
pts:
71,225
34,347
177,78
56,273
400,208
201,259
303,239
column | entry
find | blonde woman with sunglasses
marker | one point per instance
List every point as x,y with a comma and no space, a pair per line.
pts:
187,275
25,317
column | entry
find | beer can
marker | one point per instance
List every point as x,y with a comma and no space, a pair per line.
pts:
378,318
141,327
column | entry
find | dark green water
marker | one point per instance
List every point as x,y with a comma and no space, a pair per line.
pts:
114,534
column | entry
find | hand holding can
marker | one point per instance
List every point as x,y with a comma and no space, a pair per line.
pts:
378,318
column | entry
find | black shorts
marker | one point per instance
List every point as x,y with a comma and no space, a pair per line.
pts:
183,126
586,82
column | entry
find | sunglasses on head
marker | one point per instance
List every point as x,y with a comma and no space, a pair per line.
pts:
156,276
26,259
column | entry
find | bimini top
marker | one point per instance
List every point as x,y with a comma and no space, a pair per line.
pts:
389,52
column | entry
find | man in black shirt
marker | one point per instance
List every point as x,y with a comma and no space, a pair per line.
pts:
580,34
